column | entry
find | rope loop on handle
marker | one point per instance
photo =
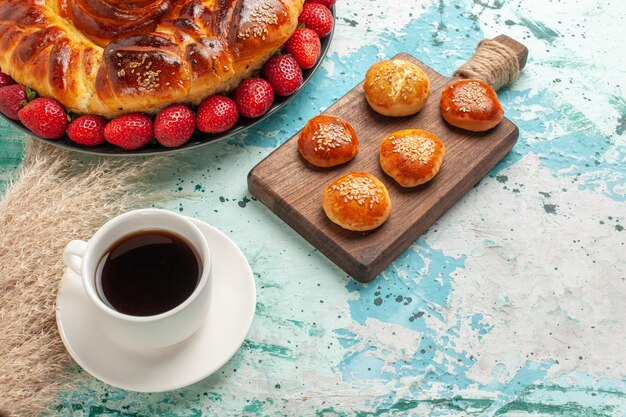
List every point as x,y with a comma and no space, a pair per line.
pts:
494,63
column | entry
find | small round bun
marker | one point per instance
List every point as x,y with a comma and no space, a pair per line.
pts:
327,141
411,157
471,105
357,201
396,88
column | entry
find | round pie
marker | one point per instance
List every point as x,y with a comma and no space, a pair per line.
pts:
327,141
411,157
471,105
357,201
110,57
396,88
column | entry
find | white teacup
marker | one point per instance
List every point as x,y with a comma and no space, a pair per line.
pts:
143,332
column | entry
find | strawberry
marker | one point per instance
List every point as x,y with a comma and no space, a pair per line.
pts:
87,130
254,97
5,79
174,125
305,47
317,17
327,3
11,98
283,73
217,114
44,117
131,131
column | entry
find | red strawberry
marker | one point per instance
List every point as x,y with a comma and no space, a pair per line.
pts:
174,125
5,79
87,130
254,97
305,47
131,131
317,17
217,114
44,117
283,73
327,3
11,98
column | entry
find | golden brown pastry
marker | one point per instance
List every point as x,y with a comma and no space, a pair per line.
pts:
327,141
110,57
357,201
471,105
411,157
396,88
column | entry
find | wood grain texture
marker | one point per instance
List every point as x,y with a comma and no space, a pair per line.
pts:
292,188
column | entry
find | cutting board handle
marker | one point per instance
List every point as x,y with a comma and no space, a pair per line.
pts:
520,49
496,61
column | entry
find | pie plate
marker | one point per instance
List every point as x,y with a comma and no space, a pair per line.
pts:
155,370
199,138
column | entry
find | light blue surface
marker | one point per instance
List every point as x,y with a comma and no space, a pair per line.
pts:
512,304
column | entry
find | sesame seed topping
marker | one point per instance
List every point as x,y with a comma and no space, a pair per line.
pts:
414,147
471,94
263,15
330,136
363,190
141,71
406,76
149,79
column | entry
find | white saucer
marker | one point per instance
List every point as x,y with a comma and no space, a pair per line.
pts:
226,326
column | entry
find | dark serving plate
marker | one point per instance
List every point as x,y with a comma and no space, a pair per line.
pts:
199,138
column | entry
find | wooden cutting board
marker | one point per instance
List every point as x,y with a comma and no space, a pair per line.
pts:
292,188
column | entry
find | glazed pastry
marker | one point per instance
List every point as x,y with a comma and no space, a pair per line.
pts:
110,57
327,141
396,88
357,201
471,105
411,157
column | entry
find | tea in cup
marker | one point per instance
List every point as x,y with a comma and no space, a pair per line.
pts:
148,275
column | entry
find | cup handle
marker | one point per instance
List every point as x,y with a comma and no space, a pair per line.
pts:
73,255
